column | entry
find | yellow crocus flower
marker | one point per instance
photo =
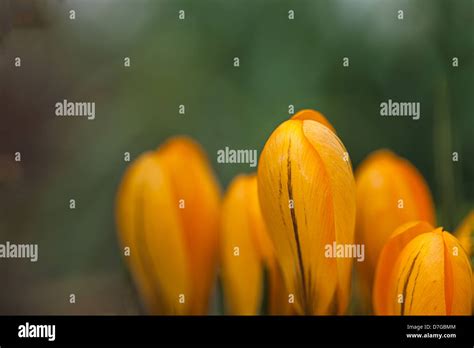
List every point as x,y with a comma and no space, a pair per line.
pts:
422,271
307,195
167,214
246,251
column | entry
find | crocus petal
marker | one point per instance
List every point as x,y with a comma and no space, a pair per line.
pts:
465,235
193,183
277,293
242,266
458,277
383,294
342,186
278,298
422,271
167,213
314,115
157,260
421,276
303,164
261,238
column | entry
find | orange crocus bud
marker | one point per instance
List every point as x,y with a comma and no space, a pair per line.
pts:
167,215
422,271
307,195
465,234
390,191
246,250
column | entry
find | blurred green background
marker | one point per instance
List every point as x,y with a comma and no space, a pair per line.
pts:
190,62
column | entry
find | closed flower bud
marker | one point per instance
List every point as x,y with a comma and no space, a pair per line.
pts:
167,215
246,251
307,195
465,234
422,271
390,192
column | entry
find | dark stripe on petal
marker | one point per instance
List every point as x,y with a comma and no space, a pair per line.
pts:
407,280
295,228
414,284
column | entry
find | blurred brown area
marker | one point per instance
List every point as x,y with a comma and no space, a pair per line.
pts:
27,97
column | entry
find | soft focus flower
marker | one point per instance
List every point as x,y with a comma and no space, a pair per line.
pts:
390,192
167,214
465,234
307,195
246,251
422,271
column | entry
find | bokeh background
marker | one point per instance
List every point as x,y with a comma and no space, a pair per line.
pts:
190,62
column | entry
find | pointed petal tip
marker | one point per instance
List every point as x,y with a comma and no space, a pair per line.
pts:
313,115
